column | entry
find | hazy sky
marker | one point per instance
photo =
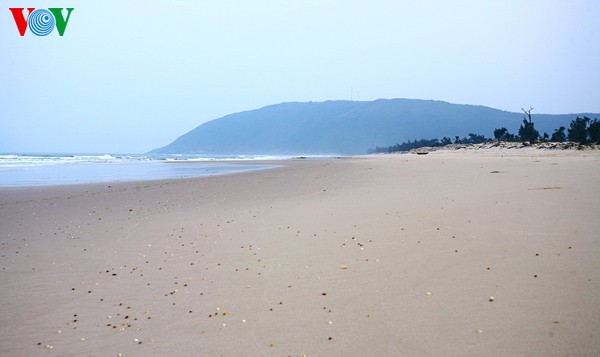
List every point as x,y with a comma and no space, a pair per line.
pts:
131,76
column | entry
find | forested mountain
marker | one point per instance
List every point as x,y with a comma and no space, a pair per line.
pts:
349,127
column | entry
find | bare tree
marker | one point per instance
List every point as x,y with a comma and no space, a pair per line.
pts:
528,113
527,132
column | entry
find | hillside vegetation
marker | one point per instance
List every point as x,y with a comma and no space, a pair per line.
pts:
348,127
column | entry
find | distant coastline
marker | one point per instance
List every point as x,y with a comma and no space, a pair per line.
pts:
352,127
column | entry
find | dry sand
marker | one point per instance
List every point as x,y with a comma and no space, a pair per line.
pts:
253,264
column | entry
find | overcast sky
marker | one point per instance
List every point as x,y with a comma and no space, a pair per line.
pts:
131,76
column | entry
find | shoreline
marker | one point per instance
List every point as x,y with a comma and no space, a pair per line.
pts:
369,255
101,173
11,193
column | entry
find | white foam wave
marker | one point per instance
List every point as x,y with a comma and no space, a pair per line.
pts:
33,160
12,161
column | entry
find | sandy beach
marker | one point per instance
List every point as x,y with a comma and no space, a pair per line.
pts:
489,253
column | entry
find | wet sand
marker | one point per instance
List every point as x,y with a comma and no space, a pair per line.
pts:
453,253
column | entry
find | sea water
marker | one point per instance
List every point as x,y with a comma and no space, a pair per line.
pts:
24,170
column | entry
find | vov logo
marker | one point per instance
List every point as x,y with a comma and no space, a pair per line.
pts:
41,22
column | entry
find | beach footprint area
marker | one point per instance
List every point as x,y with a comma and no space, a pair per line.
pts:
450,253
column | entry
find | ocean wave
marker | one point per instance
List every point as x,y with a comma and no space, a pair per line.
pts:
15,160
32,160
